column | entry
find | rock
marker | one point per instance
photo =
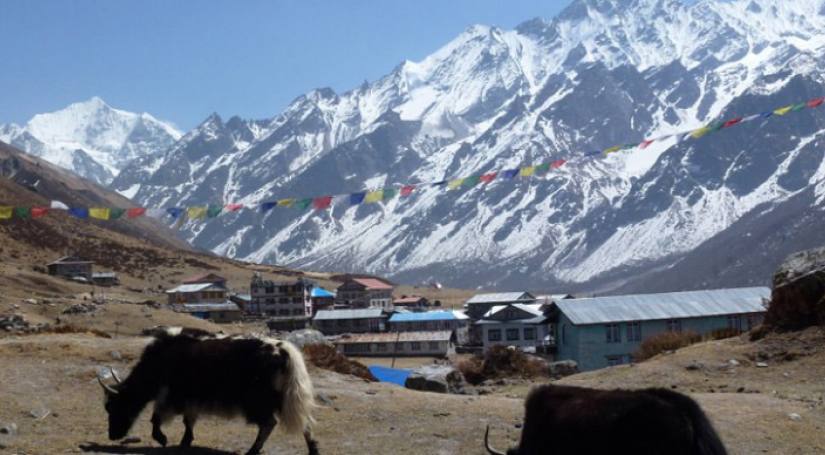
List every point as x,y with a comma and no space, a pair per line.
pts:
323,399
436,378
116,355
740,390
30,301
300,338
761,364
798,288
693,366
80,308
131,440
562,368
795,417
733,362
40,413
9,429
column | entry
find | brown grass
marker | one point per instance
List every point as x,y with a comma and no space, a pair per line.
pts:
501,362
327,357
665,341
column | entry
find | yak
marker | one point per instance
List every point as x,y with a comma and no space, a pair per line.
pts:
193,373
566,419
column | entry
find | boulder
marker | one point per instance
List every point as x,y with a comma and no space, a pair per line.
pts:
436,378
562,368
300,338
798,296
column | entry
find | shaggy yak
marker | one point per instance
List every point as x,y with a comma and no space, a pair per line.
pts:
192,373
562,419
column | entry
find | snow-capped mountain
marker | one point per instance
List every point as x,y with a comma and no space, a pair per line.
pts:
91,138
604,72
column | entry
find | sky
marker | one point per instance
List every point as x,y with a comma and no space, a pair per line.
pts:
181,61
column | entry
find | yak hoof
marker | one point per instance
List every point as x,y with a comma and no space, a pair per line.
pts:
160,438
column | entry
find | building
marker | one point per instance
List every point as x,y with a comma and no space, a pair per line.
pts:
197,293
105,279
365,293
480,304
71,267
206,278
283,300
332,322
604,331
242,300
427,320
321,299
411,302
430,344
215,312
550,298
517,324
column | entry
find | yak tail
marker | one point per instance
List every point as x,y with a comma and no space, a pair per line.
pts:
298,397
705,439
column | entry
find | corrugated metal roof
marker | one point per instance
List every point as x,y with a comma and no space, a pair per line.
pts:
205,307
395,337
533,309
672,305
372,283
365,313
424,316
500,297
184,288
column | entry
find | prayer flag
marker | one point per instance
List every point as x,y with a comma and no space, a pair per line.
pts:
388,193
798,107
407,190
697,133
509,173
6,212
489,177
751,118
543,167
100,213
57,205
196,213
783,110
322,203
234,207
303,203
441,183
593,153
267,206
455,184
732,122
357,198
213,210
175,212
527,171
115,214
816,102
135,212
766,114
645,143
374,196
610,150
156,213
286,202
472,181
79,212
557,164
38,212
22,212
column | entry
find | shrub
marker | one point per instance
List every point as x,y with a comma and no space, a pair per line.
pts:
501,362
665,341
721,334
327,357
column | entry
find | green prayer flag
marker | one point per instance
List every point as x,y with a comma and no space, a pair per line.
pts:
22,212
799,107
116,213
303,203
389,193
213,211
472,181
543,167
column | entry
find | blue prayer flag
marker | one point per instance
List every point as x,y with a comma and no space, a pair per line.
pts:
509,173
174,212
79,212
266,206
357,198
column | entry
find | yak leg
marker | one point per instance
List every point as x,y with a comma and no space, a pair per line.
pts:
264,430
312,444
189,420
157,433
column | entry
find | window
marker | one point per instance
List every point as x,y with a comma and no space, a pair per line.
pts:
381,347
674,325
298,312
613,360
529,333
612,333
735,322
512,334
434,345
634,331
283,312
494,335
415,346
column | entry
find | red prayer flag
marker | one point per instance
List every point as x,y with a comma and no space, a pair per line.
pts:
38,212
407,190
233,207
135,212
816,101
645,143
557,164
487,178
321,203
731,122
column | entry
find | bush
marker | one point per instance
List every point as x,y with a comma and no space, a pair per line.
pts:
327,357
721,334
501,362
665,341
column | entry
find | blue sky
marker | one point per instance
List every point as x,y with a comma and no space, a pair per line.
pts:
181,61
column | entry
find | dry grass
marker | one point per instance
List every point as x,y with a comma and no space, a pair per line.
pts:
665,342
501,362
327,357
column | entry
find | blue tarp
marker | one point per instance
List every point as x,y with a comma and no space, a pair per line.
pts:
392,375
321,292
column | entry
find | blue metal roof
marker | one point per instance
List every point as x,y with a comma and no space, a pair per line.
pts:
423,316
321,292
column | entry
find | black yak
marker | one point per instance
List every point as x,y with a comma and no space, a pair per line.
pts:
563,419
192,373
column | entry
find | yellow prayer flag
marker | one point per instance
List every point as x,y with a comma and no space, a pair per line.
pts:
700,132
5,212
286,202
615,148
101,213
527,171
455,184
196,213
783,110
374,196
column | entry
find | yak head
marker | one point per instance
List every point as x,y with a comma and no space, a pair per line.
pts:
493,451
119,407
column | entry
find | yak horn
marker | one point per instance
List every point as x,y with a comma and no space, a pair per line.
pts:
114,375
106,387
487,443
